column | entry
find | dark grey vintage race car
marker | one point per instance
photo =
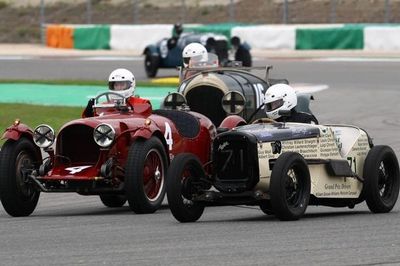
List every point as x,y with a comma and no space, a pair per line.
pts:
283,168
214,91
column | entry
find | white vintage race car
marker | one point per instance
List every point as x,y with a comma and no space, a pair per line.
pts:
283,168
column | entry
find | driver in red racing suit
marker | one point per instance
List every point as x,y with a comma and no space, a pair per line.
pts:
121,81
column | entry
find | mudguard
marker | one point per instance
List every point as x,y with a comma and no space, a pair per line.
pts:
145,132
17,130
232,121
152,49
303,102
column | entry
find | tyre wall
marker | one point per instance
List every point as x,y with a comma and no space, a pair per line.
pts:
275,37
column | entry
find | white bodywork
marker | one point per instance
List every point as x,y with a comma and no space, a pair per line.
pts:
335,142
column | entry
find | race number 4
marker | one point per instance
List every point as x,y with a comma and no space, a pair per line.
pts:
168,136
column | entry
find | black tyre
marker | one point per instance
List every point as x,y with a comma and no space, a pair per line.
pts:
145,171
290,186
266,208
381,179
184,169
19,195
151,64
113,201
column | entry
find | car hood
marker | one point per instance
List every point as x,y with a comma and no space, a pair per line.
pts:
280,131
117,121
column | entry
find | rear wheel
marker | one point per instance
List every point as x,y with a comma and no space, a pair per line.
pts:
113,201
183,171
18,194
145,171
151,64
290,186
382,179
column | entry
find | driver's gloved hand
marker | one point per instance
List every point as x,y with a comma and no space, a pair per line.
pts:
89,108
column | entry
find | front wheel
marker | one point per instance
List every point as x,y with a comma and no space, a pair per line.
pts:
18,194
266,208
183,171
113,201
381,175
145,171
151,64
290,186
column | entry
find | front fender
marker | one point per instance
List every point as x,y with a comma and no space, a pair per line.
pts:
232,121
152,49
303,102
16,131
145,133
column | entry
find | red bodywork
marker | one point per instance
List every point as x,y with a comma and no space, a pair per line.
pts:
78,159
15,131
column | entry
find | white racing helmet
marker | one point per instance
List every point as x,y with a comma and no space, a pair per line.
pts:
122,81
194,50
279,97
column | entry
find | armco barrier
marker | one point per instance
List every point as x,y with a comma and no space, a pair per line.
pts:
347,37
92,37
217,28
289,37
137,37
382,38
267,36
59,36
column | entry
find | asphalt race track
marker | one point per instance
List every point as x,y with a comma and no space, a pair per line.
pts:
70,229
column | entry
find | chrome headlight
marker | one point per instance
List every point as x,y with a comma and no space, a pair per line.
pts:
233,102
104,135
43,136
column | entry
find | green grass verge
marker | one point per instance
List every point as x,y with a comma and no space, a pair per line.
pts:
80,82
33,115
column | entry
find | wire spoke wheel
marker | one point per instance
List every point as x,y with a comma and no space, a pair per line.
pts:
19,195
153,175
183,172
24,165
145,172
290,186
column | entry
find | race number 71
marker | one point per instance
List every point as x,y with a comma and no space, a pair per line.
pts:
352,162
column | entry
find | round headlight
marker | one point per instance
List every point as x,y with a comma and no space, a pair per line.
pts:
43,136
104,135
233,102
174,100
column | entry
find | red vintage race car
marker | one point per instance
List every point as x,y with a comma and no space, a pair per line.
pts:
121,154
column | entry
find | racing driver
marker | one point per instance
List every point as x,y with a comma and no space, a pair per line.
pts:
121,81
282,97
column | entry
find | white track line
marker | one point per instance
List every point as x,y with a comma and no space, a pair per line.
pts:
309,88
354,59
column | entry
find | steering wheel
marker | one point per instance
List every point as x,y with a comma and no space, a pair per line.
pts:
264,120
119,103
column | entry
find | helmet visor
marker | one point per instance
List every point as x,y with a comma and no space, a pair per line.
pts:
274,105
186,61
119,85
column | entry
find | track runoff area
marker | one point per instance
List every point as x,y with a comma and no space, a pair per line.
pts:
78,95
